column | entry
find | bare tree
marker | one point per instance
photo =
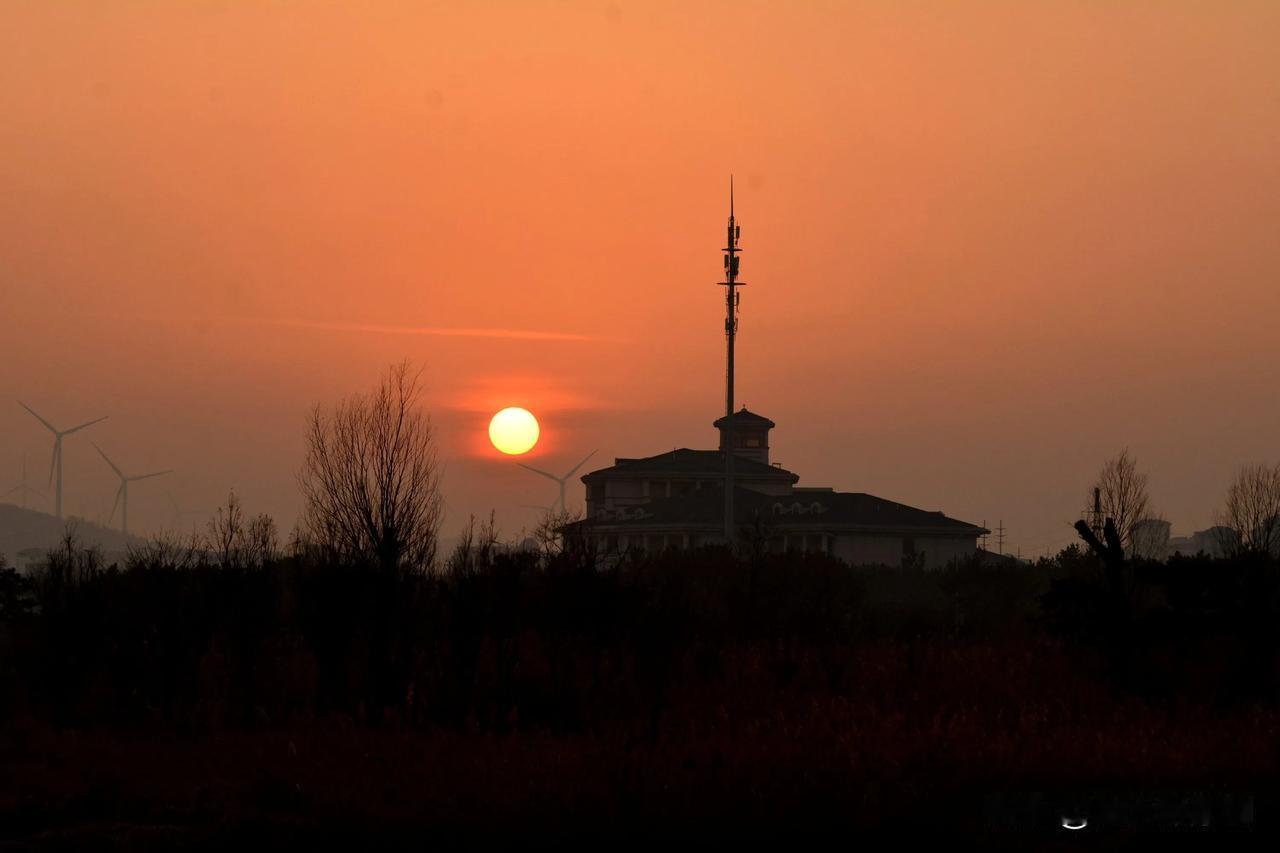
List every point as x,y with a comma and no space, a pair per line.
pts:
550,533
1252,511
241,542
1124,494
226,532
170,550
371,478
475,549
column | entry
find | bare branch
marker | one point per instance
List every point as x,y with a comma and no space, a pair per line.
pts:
1124,496
371,478
1252,511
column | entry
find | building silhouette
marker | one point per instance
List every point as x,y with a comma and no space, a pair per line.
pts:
1149,539
1218,542
676,500
687,498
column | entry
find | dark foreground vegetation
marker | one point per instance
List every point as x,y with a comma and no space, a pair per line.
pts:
173,702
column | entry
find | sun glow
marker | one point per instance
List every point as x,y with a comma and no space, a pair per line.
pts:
514,431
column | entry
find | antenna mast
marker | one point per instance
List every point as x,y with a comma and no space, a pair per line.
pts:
731,298
1095,515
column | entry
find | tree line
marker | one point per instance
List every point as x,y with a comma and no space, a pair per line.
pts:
1248,522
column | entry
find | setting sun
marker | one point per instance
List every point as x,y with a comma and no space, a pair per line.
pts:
514,431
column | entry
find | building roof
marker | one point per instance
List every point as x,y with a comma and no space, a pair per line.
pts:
992,559
709,463
826,509
745,418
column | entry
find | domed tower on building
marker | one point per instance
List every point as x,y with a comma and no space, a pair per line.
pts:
748,432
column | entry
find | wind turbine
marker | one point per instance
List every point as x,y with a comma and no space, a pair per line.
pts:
560,480
23,487
179,513
56,461
123,491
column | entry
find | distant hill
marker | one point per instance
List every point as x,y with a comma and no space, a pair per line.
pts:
23,529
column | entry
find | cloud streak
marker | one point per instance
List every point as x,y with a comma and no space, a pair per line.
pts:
426,331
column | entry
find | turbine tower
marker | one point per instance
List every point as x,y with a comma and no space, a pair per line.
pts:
179,513
56,461
731,298
123,491
24,489
560,480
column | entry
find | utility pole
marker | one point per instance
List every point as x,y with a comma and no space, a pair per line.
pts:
731,285
983,546
1000,538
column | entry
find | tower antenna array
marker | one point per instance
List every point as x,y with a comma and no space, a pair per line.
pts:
1095,514
731,285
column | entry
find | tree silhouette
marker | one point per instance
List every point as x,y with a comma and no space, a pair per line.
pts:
1252,511
371,478
1123,489
240,542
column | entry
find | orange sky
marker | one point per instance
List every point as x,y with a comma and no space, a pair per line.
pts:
987,243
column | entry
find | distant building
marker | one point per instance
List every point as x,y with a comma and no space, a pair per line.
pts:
1149,539
29,558
676,500
1216,542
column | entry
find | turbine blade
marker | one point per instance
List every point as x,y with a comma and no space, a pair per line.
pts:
153,474
48,425
119,473
85,424
119,492
579,465
538,471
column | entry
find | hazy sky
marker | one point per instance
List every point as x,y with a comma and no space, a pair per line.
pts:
988,244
